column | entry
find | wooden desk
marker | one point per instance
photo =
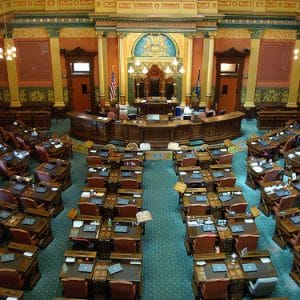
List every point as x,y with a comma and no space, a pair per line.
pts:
285,228
89,127
159,105
195,177
295,271
5,292
26,266
81,257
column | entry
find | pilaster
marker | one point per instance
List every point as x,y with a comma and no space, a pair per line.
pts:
253,66
56,67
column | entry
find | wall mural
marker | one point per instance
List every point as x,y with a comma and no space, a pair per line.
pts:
155,45
274,96
4,97
36,96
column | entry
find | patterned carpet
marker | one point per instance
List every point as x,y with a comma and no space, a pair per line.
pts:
167,270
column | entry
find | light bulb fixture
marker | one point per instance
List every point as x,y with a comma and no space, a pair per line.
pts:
131,70
174,62
181,70
137,62
144,70
168,70
8,52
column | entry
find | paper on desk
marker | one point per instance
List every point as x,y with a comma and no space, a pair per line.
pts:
254,164
139,153
54,189
70,259
92,170
27,253
182,173
258,169
265,260
248,221
291,155
135,262
93,150
143,216
95,223
201,263
58,146
138,172
85,194
193,223
137,195
77,224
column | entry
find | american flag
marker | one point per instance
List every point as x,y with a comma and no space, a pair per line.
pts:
113,86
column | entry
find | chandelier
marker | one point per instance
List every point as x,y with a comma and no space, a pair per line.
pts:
173,69
8,52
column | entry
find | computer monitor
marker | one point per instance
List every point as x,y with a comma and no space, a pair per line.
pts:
153,117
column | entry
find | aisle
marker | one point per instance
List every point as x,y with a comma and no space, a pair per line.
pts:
167,270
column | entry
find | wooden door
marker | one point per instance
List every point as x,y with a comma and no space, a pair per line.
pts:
81,93
228,94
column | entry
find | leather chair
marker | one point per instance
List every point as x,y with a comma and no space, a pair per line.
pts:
238,208
30,203
225,159
122,290
43,176
287,146
295,240
6,171
196,210
127,211
7,197
10,278
75,287
42,154
12,140
272,175
4,134
284,203
89,209
248,241
23,144
96,182
227,182
189,162
215,288
23,237
82,244
124,245
94,160
129,184
204,243
263,287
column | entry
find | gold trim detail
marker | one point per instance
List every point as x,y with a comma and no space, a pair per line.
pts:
233,33
29,33
78,32
279,34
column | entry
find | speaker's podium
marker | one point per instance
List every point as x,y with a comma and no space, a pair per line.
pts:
156,105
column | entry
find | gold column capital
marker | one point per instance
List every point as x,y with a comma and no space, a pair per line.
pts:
256,33
53,32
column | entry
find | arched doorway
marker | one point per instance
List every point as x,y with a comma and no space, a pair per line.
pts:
80,76
229,78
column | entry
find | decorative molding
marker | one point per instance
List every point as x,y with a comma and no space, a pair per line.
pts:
30,33
4,97
233,33
36,96
97,94
271,95
243,95
66,95
78,33
256,33
53,32
279,34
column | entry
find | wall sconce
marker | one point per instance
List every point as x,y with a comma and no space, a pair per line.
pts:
296,53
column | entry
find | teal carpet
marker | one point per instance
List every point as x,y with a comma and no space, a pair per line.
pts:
167,270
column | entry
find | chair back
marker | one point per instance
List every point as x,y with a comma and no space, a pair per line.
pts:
227,182
42,153
215,288
10,278
238,208
22,144
122,290
43,176
28,203
285,203
189,161
7,196
204,243
248,241
129,184
127,211
87,208
272,175
22,236
75,287
4,169
225,159
94,160
295,240
96,182
3,133
81,244
12,139
132,146
288,144
263,286
125,245
197,210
